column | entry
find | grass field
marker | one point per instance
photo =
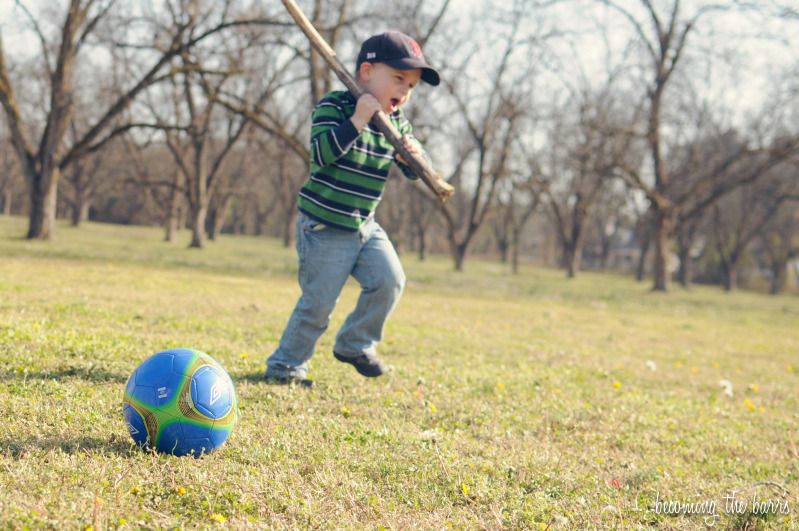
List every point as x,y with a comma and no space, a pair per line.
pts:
522,401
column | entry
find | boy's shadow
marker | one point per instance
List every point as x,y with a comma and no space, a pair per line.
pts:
90,374
114,445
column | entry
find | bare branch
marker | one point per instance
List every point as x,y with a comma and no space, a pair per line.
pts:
40,35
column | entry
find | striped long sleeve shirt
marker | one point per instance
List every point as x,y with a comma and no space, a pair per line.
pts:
348,170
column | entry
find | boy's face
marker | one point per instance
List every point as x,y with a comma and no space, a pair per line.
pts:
391,87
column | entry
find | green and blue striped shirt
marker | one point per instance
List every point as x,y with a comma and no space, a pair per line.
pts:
348,169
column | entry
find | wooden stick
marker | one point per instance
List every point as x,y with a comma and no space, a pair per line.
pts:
418,164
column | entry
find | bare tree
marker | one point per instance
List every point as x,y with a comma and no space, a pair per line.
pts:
9,177
491,121
192,144
80,180
741,216
779,244
421,217
583,157
643,237
665,38
286,173
44,161
610,217
515,206
151,168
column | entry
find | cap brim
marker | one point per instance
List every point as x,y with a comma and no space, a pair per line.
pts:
429,74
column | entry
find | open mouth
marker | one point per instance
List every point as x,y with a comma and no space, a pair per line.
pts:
394,103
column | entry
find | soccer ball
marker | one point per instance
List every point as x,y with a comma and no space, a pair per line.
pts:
180,402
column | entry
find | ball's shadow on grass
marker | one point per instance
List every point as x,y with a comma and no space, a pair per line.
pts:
19,449
90,374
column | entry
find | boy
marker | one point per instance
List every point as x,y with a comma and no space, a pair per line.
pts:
336,234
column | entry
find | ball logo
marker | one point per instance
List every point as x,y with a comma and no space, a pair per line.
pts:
216,393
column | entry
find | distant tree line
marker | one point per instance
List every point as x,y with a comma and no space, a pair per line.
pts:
194,115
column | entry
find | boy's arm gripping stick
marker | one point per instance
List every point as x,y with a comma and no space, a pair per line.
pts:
419,165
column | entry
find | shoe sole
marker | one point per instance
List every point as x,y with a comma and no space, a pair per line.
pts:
355,364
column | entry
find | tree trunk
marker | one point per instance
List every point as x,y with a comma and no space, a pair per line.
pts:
458,251
172,219
170,227
398,241
514,266
216,218
260,223
572,249
663,226
198,215
7,200
219,219
603,258
80,209
685,242
502,246
421,234
181,217
44,195
572,257
643,251
566,259
731,275
685,273
288,226
779,277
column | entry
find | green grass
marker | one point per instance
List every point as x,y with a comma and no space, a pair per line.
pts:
515,401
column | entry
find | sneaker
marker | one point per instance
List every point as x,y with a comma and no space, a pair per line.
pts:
369,367
288,380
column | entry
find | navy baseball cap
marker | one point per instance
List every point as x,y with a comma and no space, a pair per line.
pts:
399,51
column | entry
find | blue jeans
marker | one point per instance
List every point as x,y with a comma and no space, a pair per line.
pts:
327,257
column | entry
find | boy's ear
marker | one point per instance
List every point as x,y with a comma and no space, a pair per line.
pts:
365,71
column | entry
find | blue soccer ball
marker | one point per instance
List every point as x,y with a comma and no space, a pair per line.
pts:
180,402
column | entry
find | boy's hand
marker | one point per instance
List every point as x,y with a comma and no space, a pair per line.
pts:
412,146
365,108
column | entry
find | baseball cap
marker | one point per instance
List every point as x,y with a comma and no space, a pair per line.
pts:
399,51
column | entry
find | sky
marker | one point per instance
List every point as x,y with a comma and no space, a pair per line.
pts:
742,80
